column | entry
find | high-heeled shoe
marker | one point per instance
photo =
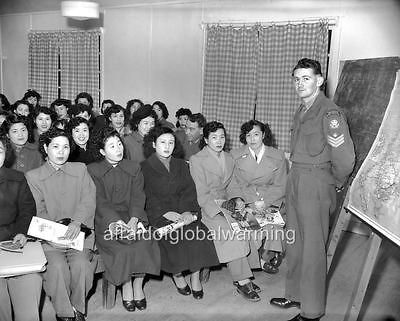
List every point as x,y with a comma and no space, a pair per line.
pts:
140,304
129,305
184,291
198,294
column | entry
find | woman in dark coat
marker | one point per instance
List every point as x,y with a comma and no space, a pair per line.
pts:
171,196
79,130
17,208
120,196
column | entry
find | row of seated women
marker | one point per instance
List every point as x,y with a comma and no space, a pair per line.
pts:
161,189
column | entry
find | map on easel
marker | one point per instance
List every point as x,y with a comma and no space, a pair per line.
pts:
374,195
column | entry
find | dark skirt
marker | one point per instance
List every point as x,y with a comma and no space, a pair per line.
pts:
123,258
189,248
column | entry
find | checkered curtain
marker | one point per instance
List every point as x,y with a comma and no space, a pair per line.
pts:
43,65
281,46
79,51
229,89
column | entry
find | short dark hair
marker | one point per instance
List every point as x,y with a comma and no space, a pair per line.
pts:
99,139
163,108
268,139
199,119
74,110
10,156
23,102
142,113
61,122
47,111
12,119
151,138
47,137
308,63
75,122
86,95
183,111
114,109
59,102
32,93
106,101
209,128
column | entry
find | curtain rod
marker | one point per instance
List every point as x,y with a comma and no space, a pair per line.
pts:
66,30
331,21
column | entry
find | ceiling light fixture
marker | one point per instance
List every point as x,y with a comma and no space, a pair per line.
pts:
80,10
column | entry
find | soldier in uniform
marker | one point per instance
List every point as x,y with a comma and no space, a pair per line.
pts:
322,155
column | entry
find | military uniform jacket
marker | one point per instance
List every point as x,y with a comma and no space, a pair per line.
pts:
321,136
266,180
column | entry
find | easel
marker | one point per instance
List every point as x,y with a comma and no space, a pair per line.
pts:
364,275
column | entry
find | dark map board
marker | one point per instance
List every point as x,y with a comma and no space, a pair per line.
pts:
363,91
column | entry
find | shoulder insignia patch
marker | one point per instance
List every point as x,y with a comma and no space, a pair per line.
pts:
334,123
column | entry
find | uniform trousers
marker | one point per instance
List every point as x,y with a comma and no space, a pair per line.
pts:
23,294
68,279
311,197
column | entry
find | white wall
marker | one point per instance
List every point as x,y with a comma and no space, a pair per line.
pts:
155,51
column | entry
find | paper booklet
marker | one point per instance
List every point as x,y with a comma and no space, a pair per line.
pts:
53,232
31,259
251,219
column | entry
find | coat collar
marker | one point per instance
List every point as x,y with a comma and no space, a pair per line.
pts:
104,167
46,170
209,162
156,164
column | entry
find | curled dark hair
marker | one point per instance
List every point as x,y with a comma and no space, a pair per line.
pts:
61,123
130,103
47,111
134,121
199,119
181,112
209,128
75,122
106,101
308,63
99,139
47,137
32,93
75,110
88,97
15,119
6,104
248,126
151,138
10,156
23,102
163,108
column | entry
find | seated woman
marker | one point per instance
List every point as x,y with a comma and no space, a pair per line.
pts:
17,208
33,97
162,114
120,196
26,155
212,172
78,128
60,107
65,190
171,196
115,118
43,119
260,178
142,121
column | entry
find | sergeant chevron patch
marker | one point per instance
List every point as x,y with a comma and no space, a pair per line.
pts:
335,141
